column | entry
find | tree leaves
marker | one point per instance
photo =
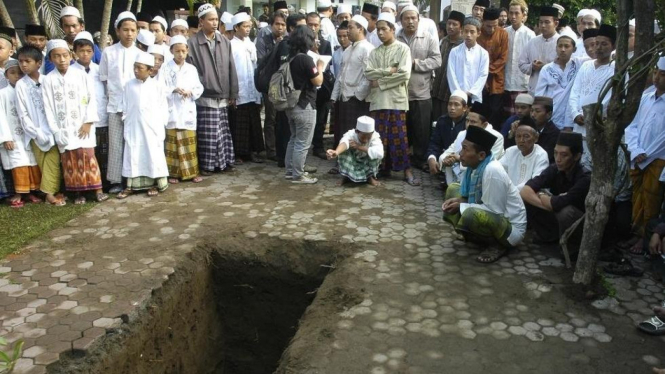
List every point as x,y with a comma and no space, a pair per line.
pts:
49,12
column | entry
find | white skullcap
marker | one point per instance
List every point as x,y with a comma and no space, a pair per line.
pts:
389,4
524,98
124,16
56,43
162,21
388,17
560,8
302,11
461,94
146,37
365,124
228,26
344,9
263,24
70,11
226,17
408,8
205,9
156,48
179,22
595,14
145,59
240,18
84,35
582,13
661,63
324,4
178,39
362,21
401,3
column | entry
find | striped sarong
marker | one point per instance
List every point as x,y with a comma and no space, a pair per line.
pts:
181,155
347,115
26,178
245,122
215,144
146,183
391,125
80,170
357,166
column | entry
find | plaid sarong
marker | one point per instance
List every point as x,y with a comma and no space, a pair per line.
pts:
347,116
146,183
245,122
215,145
80,170
116,144
181,154
357,166
509,101
26,178
102,150
391,125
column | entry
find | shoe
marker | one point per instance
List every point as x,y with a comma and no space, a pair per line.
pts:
115,189
320,153
290,176
305,179
309,169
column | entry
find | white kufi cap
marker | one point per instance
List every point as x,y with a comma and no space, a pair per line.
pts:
583,12
70,11
145,59
226,17
56,43
146,37
178,39
156,48
661,63
388,17
240,18
524,98
365,124
124,16
344,9
205,9
461,94
162,21
362,21
407,8
84,35
324,4
595,14
389,4
179,22
228,26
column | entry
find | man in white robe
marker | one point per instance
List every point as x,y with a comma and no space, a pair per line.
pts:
359,153
468,63
371,13
526,159
519,36
540,50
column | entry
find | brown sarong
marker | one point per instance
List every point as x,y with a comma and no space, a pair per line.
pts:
26,178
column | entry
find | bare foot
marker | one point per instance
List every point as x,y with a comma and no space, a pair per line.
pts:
373,182
343,181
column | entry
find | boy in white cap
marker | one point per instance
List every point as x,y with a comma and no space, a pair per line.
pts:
158,51
359,153
184,86
30,104
83,51
145,113
71,111
144,40
226,25
15,152
116,69
245,118
158,27
179,27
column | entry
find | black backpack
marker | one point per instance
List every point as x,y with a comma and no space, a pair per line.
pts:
266,67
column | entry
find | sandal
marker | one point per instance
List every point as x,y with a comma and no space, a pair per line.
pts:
174,181
334,170
197,179
652,326
153,192
101,197
79,200
124,194
624,268
34,199
491,255
412,181
16,204
58,202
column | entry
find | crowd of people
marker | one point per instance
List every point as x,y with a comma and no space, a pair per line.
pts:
484,103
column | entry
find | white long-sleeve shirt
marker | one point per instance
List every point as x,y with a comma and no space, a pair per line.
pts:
646,134
374,147
516,80
328,31
116,69
182,111
586,89
501,197
100,92
557,84
456,147
522,168
244,56
351,81
12,131
69,102
30,105
468,69
541,49
580,51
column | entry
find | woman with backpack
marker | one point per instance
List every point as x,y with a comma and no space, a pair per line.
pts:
306,77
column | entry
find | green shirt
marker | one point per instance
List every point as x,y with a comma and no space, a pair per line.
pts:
392,92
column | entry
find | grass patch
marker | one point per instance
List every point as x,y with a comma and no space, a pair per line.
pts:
20,226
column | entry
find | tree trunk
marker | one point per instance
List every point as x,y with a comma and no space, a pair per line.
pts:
139,5
79,5
4,15
33,17
106,21
129,5
435,11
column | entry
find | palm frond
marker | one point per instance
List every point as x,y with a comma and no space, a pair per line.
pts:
49,12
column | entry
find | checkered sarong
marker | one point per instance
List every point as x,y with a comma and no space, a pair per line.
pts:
357,166
391,125
181,155
245,122
215,144
116,143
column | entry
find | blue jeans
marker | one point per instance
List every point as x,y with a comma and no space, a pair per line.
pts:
302,123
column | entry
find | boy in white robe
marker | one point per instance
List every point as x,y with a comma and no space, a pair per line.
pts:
84,51
30,104
182,80
359,153
145,113
15,155
468,63
71,110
